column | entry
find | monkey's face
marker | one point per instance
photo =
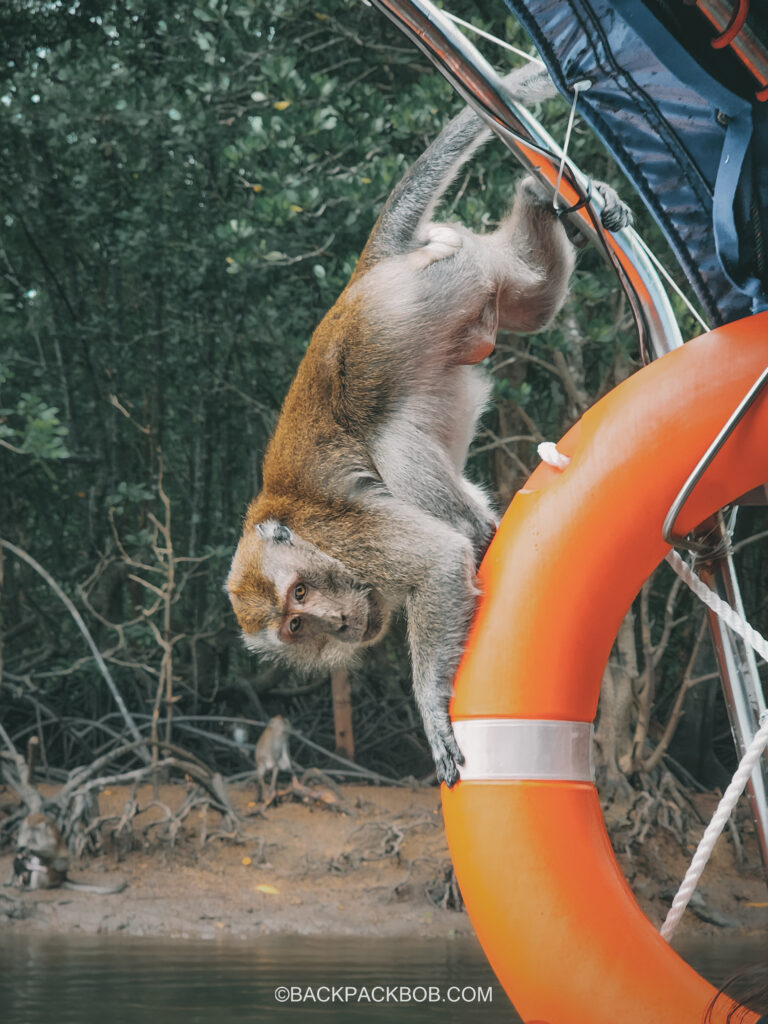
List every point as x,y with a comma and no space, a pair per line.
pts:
296,603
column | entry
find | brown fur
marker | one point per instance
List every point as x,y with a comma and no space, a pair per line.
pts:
364,505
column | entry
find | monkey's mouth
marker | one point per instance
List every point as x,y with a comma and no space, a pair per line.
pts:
364,624
359,632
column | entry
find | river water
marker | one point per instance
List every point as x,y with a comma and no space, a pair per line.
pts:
91,980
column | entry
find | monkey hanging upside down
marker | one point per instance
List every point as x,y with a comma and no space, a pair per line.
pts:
364,507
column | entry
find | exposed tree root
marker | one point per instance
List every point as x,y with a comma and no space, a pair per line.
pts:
75,806
661,804
444,890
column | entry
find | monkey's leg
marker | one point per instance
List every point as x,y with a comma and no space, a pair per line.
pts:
412,202
536,261
273,784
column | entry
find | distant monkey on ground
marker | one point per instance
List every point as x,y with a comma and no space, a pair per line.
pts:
364,507
42,860
272,753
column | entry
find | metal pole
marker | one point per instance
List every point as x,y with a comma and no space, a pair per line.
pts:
742,688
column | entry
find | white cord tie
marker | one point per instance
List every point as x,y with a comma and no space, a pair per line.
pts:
578,87
747,764
494,39
548,453
717,824
721,608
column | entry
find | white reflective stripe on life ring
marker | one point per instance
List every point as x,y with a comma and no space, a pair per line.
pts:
519,748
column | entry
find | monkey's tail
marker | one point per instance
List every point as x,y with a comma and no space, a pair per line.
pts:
102,890
413,201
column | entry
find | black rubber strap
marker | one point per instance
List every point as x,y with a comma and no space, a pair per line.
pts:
563,211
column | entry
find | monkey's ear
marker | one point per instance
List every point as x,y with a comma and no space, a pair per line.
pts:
275,531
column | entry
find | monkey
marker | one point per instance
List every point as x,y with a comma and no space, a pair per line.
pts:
42,860
272,753
364,507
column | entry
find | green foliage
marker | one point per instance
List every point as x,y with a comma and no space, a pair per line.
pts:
129,494
40,432
184,190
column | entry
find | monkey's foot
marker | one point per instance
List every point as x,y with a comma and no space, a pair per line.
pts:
616,214
441,243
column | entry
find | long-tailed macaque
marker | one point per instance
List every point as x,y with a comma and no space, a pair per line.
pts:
42,859
272,753
364,506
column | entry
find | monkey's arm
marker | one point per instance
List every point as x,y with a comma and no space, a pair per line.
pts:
435,566
418,470
439,614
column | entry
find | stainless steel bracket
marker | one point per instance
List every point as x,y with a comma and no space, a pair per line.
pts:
704,547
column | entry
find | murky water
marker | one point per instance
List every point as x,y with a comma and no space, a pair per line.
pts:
138,981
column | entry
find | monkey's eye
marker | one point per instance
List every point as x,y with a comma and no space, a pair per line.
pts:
295,624
300,591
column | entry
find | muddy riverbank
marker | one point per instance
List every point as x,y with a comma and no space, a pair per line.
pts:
375,863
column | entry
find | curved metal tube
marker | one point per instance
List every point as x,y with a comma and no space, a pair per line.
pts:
477,82
668,530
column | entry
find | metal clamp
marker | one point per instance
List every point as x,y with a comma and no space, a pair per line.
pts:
668,529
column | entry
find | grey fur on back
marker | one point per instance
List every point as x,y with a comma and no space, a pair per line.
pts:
413,201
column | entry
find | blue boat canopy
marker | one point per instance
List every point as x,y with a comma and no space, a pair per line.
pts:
679,94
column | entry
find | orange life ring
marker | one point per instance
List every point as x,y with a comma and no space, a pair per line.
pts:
547,899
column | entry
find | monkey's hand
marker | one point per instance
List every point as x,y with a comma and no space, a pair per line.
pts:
439,731
447,757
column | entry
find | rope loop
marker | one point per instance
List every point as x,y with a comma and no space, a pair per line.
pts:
752,755
712,832
563,211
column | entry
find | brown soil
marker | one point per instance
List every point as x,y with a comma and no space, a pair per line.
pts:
375,864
